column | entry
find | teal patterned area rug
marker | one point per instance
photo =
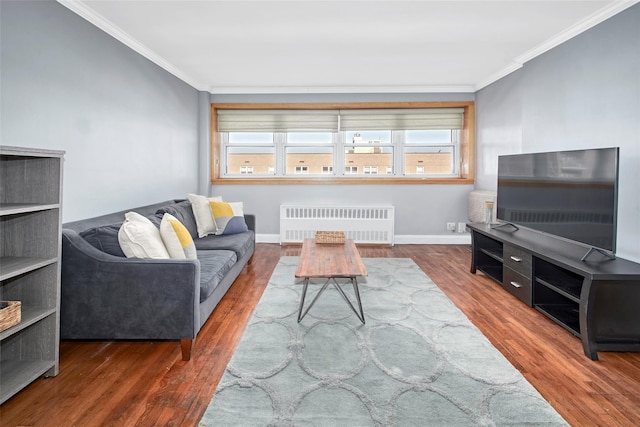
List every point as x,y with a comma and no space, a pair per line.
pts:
418,360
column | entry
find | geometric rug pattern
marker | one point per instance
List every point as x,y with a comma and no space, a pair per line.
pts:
418,360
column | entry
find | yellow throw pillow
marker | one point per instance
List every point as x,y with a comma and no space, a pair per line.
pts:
177,238
229,217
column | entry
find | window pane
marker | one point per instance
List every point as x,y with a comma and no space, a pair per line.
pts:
250,138
370,136
428,160
310,137
308,160
428,136
250,160
368,160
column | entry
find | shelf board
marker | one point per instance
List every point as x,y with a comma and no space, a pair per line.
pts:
571,292
17,374
15,266
566,315
495,253
19,208
28,317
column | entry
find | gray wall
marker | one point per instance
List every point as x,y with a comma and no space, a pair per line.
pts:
421,211
129,128
584,93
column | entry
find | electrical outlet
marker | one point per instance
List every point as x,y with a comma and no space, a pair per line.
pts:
451,226
462,227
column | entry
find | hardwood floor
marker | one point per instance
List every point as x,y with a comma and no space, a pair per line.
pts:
147,383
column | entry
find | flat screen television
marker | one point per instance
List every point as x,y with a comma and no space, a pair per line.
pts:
569,194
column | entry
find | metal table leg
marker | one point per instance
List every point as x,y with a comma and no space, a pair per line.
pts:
334,282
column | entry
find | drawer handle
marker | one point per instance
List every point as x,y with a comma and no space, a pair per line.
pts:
516,259
516,285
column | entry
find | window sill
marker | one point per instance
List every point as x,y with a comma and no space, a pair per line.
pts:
342,181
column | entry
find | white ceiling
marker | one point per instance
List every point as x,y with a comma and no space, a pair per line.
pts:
343,46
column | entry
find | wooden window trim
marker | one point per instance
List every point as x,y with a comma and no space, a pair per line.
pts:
467,143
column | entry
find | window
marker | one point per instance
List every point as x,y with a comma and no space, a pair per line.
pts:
350,169
370,170
398,142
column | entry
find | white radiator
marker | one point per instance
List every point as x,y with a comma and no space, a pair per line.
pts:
363,224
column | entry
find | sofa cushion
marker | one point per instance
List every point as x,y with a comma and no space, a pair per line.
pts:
140,238
183,213
113,218
214,266
176,238
155,219
239,243
104,238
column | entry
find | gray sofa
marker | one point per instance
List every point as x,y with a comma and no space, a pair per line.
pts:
106,296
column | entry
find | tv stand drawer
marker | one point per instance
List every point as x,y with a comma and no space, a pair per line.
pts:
517,285
517,260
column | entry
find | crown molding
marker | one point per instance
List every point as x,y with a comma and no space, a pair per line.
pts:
84,11
589,22
249,90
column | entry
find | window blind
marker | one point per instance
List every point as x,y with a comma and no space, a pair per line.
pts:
404,119
277,120
334,121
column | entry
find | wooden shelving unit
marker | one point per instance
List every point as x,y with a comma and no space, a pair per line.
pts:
30,225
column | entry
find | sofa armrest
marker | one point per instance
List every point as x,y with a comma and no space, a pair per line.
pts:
109,297
250,219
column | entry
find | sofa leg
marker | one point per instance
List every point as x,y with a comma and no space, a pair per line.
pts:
186,345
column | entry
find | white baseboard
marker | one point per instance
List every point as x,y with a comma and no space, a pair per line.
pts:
444,239
268,238
440,239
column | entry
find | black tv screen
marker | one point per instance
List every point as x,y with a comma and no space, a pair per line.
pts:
570,194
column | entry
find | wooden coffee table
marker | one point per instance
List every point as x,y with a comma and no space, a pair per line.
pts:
331,262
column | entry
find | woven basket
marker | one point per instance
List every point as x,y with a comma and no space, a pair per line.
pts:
10,313
335,237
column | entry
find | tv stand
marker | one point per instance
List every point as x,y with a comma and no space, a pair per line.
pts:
597,301
600,251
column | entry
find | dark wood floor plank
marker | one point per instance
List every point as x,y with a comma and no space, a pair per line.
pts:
148,384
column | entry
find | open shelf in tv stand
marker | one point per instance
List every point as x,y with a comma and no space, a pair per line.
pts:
595,299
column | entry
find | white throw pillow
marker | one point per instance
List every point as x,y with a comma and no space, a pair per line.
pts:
202,212
177,238
139,238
